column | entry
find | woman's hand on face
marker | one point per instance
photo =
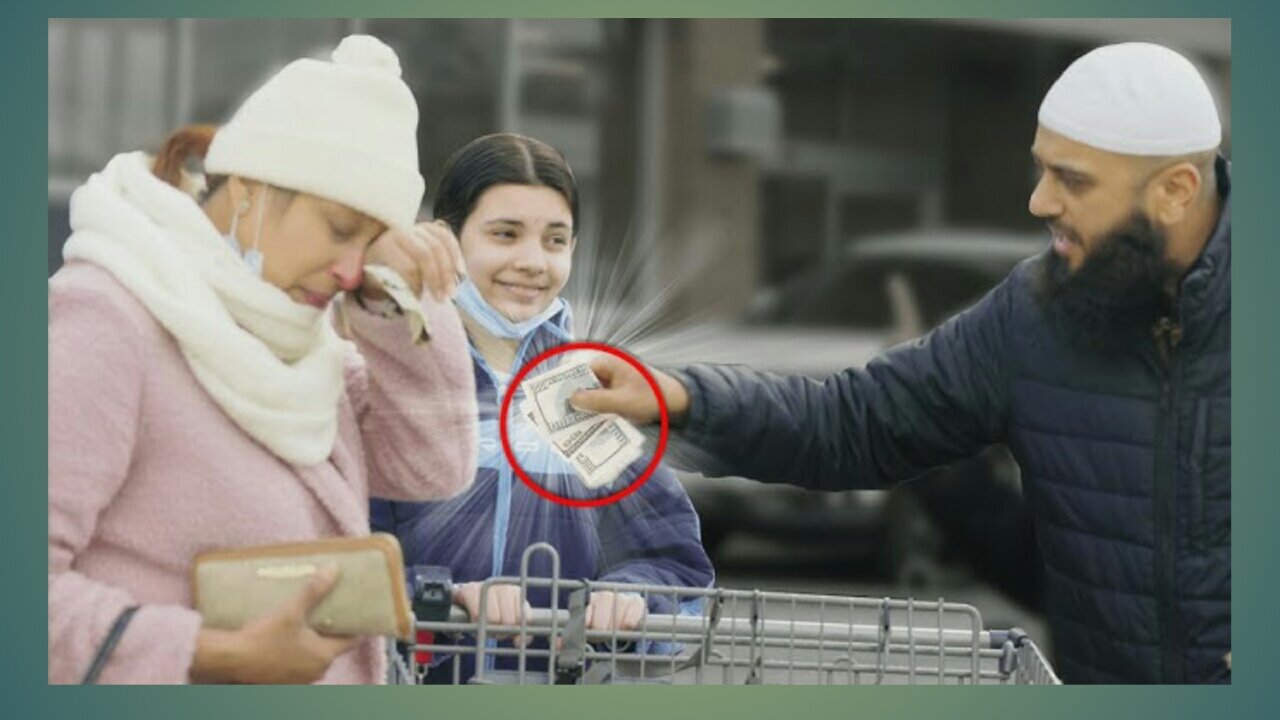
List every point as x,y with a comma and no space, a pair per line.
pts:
427,256
277,648
506,606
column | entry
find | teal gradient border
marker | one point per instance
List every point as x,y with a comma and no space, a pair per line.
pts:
24,437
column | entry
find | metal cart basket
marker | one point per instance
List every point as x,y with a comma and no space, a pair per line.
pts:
720,636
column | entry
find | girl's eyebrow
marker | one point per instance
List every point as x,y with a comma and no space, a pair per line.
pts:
554,225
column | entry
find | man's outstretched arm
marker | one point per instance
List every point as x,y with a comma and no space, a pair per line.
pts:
922,404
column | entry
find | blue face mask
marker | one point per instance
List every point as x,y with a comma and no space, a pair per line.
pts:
252,257
473,304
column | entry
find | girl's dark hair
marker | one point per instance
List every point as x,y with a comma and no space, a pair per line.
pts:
500,159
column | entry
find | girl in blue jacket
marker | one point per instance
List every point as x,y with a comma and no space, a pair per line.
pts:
513,204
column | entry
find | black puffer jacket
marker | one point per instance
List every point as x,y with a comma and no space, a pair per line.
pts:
1126,462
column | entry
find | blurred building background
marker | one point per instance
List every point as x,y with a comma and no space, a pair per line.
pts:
816,189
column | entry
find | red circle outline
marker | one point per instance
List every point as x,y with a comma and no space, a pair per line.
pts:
559,350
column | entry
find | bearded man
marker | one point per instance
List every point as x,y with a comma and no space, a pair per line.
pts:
1103,363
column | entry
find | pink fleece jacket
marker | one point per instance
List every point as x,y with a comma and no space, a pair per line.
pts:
146,471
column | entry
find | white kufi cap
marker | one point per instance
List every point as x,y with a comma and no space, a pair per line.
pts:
1134,99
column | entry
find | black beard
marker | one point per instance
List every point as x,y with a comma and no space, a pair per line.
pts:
1112,301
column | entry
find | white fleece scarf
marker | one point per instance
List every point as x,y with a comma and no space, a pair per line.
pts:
273,365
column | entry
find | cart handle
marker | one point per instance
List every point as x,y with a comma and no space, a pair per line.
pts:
693,628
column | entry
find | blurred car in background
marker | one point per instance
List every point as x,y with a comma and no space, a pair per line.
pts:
902,284
884,290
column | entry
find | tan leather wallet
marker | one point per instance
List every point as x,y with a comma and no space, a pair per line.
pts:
233,587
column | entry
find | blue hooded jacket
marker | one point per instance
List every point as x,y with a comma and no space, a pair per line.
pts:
651,536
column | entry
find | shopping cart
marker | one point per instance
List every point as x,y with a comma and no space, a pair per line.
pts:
730,637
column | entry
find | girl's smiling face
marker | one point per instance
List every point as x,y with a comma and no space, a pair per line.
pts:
518,246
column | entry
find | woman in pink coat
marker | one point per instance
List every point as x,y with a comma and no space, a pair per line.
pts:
199,395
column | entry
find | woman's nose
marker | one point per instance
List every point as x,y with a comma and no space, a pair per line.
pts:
349,271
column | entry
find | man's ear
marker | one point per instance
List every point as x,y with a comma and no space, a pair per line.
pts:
1172,191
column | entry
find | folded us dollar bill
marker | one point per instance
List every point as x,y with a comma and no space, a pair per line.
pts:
599,447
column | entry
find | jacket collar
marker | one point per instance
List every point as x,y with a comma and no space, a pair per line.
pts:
1206,289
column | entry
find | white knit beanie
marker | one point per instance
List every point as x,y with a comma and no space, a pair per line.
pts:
1134,99
344,130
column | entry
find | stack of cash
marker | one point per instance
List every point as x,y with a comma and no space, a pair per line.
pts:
599,447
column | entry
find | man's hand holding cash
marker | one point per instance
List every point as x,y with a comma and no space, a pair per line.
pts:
598,446
623,391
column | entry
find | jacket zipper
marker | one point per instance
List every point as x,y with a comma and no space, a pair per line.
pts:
1168,333
506,476
1199,463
